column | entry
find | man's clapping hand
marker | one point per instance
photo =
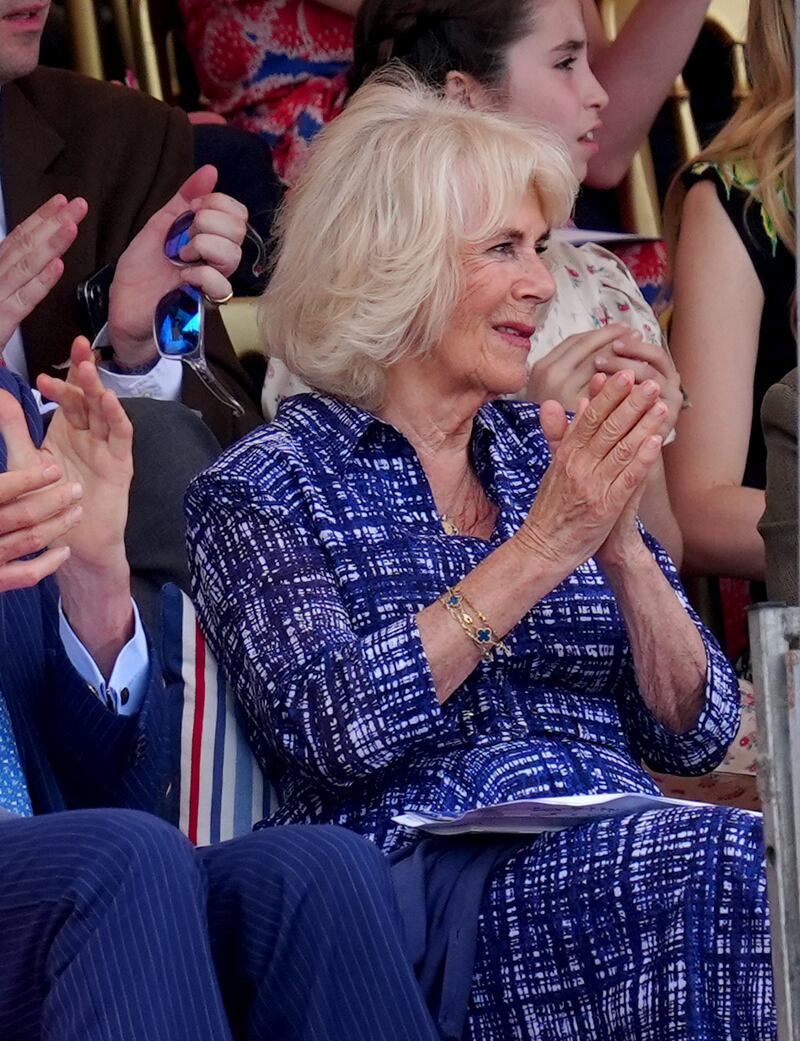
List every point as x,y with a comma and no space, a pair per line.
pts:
71,496
30,259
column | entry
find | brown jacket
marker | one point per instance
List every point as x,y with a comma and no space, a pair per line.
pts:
126,154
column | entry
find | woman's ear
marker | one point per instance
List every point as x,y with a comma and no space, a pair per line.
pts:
461,87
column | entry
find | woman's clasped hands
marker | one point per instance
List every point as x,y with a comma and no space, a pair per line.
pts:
589,497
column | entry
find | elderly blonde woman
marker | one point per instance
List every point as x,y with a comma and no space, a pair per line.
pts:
421,605
532,64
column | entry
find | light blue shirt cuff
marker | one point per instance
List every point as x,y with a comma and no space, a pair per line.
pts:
162,383
127,686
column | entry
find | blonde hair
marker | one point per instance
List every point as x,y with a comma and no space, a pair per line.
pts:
760,135
370,239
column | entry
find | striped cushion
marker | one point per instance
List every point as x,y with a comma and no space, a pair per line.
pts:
222,791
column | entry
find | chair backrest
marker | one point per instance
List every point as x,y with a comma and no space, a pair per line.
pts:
639,201
162,66
222,791
240,318
84,37
122,21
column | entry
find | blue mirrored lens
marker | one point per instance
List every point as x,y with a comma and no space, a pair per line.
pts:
178,322
178,236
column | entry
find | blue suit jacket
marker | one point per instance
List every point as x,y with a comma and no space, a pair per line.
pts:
74,751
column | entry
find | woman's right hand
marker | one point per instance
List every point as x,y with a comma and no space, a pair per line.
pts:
599,464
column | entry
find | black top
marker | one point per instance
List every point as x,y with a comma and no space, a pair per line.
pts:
775,267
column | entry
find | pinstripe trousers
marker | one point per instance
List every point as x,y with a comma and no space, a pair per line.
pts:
113,928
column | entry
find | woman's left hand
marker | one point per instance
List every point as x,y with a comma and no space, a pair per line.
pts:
623,541
144,274
646,361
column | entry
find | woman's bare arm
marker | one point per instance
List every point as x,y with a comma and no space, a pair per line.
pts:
637,70
718,307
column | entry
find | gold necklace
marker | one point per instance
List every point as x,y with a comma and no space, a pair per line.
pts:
448,524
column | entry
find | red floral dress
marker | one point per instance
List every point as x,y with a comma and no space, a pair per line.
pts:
276,67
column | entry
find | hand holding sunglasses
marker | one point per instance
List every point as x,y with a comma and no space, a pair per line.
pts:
206,246
179,320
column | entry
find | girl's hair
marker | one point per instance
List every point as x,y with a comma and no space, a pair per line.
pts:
370,240
760,135
434,37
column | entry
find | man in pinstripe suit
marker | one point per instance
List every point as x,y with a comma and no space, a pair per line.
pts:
111,925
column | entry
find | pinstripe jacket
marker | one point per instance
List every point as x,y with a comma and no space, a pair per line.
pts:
74,751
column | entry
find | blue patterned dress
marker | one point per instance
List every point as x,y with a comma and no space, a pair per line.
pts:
314,542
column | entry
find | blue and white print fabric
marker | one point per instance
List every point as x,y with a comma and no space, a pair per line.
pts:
314,543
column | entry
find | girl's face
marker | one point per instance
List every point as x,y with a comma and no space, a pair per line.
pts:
549,79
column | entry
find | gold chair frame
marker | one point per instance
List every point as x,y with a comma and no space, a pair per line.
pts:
152,28
85,36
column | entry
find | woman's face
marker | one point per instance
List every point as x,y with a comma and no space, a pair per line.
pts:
485,347
549,80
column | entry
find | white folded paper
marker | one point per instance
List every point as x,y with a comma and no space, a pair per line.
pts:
580,236
533,816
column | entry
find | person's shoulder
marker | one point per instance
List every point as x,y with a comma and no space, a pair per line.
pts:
66,97
789,381
735,185
779,407
590,264
727,178
710,186
304,435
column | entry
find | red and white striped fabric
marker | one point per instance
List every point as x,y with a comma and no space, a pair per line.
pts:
223,792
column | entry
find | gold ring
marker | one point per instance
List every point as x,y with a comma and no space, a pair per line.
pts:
218,303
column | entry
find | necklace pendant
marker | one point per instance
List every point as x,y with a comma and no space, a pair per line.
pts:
448,525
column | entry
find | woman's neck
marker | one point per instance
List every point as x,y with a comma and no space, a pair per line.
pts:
436,421
439,428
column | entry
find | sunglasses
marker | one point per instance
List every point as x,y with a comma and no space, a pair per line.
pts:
179,320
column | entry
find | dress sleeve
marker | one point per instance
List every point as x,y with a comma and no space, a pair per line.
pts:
338,704
593,289
701,749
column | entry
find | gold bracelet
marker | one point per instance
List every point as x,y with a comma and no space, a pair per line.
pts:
480,632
